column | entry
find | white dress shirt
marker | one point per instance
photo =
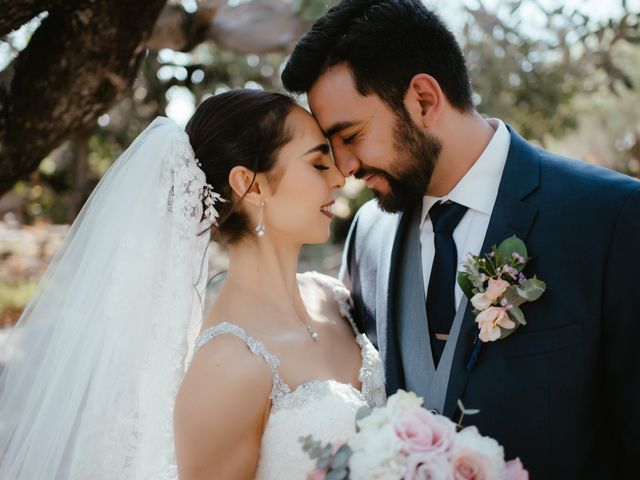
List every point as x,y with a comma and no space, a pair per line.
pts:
477,191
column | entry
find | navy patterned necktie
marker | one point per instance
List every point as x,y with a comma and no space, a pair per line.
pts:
441,307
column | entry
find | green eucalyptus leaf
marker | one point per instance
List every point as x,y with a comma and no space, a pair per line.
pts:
504,333
532,289
470,411
363,412
513,297
327,451
315,452
324,463
341,458
517,316
340,474
510,246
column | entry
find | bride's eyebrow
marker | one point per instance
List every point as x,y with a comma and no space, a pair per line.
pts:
322,148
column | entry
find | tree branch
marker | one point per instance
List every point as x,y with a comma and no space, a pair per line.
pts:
73,69
15,13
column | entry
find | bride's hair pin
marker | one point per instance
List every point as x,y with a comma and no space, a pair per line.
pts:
260,225
209,197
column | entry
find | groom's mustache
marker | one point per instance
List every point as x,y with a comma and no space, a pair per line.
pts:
366,171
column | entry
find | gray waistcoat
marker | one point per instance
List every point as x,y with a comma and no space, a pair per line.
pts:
410,314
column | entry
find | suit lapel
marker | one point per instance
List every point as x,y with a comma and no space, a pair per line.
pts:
511,216
385,326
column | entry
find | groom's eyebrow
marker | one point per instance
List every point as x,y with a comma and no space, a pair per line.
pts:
336,127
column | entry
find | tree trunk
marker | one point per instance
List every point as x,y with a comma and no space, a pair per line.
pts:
80,192
74,68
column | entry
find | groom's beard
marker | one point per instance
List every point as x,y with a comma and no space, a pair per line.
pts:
417,153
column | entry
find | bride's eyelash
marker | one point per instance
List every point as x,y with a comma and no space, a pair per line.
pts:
321,167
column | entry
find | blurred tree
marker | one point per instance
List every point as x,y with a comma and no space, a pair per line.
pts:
608,130
528,62
71,72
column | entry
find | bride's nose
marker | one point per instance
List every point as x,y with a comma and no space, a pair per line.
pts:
336,179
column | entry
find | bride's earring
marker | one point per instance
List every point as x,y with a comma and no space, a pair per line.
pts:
260,225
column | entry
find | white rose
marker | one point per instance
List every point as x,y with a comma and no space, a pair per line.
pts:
378,418
362,467
480,301
375,450
401,401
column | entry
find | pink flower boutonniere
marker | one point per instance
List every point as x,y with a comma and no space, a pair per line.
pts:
496,287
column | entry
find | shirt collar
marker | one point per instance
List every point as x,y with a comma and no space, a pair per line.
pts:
478,188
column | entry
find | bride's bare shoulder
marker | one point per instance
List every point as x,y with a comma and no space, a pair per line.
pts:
226,363
223,401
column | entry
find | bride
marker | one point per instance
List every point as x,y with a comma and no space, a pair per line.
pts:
95,383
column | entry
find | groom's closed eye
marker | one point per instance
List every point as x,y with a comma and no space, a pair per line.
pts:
350,139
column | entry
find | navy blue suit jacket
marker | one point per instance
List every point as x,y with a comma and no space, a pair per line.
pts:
563,392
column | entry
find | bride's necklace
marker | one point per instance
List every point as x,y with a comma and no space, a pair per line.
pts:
310,330
312,333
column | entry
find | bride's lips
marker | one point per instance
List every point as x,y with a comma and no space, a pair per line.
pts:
326,209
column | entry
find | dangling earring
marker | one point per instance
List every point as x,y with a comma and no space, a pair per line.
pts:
260,226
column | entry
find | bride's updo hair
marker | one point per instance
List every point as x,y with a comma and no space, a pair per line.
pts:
238,128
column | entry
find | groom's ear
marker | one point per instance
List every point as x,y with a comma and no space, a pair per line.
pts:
244,185
424,100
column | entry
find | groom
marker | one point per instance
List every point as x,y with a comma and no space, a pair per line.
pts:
388,84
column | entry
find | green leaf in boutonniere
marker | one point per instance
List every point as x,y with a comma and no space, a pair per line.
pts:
465,284
532,289
512,296
516,314
510,247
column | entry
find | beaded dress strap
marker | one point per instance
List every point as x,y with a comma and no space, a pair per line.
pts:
341,295
256,347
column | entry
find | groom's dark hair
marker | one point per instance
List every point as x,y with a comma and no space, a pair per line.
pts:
384,43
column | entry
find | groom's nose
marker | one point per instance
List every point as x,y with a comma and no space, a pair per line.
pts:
347,163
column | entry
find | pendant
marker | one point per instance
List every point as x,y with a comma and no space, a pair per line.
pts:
312,333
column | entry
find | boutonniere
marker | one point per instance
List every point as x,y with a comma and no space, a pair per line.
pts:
496,287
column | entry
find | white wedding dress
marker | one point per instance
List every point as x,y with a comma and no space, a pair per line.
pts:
325,409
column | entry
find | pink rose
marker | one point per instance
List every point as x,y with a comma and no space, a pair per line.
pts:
490,320
515,471
496,288
317,474
472,465
422,431
475,457
427,466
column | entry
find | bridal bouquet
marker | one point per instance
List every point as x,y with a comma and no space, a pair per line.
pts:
405,441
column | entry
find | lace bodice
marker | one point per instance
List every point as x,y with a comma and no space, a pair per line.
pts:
325,409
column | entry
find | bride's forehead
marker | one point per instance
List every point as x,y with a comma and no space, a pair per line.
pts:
302,124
